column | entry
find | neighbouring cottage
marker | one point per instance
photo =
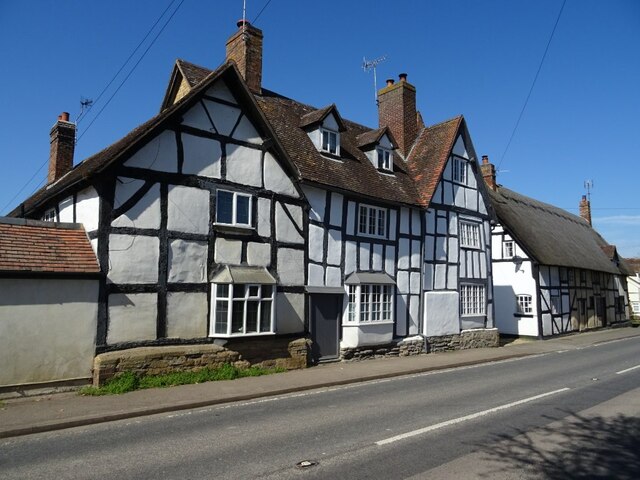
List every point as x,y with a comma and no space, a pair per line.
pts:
49,281
240,217
552,272
633,285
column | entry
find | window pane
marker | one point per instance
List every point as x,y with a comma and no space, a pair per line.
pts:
364,303
254,290
266,291
252,316
222,291
362,225
224,207
242,209
325,140
237,317
351,315
265,316
372,221
221,316
380,155
381,222
333,142
238,291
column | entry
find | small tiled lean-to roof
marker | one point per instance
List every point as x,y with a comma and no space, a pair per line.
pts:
428,157
191,72
352,172
31,246
552,235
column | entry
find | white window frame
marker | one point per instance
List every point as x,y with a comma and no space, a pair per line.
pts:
472,300
460,170
384,159
329,134
370,304
379,217
234,212
508,249
50,215
242,302
469,234
524,303
635,307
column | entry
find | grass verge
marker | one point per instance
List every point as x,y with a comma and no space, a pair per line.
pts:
129,381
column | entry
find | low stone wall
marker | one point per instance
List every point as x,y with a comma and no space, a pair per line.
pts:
402,348
480,338
268,353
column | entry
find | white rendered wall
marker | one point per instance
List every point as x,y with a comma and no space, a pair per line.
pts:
47,329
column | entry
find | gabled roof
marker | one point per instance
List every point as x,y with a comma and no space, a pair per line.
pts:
182,70
373,137
317,116
30,246
354,172
633,264
428,157
140,135
551,235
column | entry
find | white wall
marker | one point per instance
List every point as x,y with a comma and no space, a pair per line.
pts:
47,329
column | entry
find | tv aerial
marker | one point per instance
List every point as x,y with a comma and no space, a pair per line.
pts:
369,65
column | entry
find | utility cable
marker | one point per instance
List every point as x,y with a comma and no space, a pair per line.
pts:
544,55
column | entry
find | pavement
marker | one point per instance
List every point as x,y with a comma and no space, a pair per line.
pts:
56,411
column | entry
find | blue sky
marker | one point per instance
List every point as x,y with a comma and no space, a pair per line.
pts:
476,58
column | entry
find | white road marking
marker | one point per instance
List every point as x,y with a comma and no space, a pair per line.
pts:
454,421
627,370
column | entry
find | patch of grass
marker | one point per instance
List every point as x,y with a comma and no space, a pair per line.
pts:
129,381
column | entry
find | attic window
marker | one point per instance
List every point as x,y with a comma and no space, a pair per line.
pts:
330,141
385,160
49,215
459,170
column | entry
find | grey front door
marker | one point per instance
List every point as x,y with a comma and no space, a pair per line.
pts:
326,310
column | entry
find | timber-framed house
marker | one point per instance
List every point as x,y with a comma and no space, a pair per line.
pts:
241,217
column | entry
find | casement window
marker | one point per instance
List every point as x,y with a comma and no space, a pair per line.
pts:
583,276
508,249
472,299
385,159
370,303
233,208
564,277
469,234
635,306
50,215
372,221
460,170
243,309
524,304
330,141
556,304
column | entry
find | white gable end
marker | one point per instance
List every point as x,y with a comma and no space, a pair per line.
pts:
221,91
197,117
159,154
460,148
276,179
330,123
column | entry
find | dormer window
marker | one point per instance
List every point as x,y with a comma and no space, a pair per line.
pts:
385,160
330,141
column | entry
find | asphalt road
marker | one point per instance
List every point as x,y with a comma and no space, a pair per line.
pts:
573,414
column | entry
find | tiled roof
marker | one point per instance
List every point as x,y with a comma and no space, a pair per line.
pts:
633,264
429,156
550,234
192,73
45,247
319,115
373,136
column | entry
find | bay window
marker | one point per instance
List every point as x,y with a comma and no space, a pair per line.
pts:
243,309
370,303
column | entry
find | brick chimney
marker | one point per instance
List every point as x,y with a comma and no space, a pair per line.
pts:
585,209
488,173
63,143
397,110
245,48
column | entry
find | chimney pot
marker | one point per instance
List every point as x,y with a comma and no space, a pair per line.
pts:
390,82
64,116
488,173
485,159
242,22
403,77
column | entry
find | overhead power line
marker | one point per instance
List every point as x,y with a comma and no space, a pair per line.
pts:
533,84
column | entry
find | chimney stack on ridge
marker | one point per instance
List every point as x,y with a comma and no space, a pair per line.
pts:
244,47
585,209
397,110
63,142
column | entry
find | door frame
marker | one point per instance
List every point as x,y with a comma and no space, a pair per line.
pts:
326,295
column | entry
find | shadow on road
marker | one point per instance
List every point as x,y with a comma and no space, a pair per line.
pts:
580,447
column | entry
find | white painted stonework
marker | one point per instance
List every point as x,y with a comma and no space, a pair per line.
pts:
285,229
258,254
188,209
224,116
202,156
276,179
145,213
228,252
244,165
358,335
159,154
291,266
441,314
187,261
133,259
186,315
88,209
289,313
132,317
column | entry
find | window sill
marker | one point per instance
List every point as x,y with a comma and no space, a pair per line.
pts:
523,315
368,235
468,247
330,156
241,335
358,324
239,229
